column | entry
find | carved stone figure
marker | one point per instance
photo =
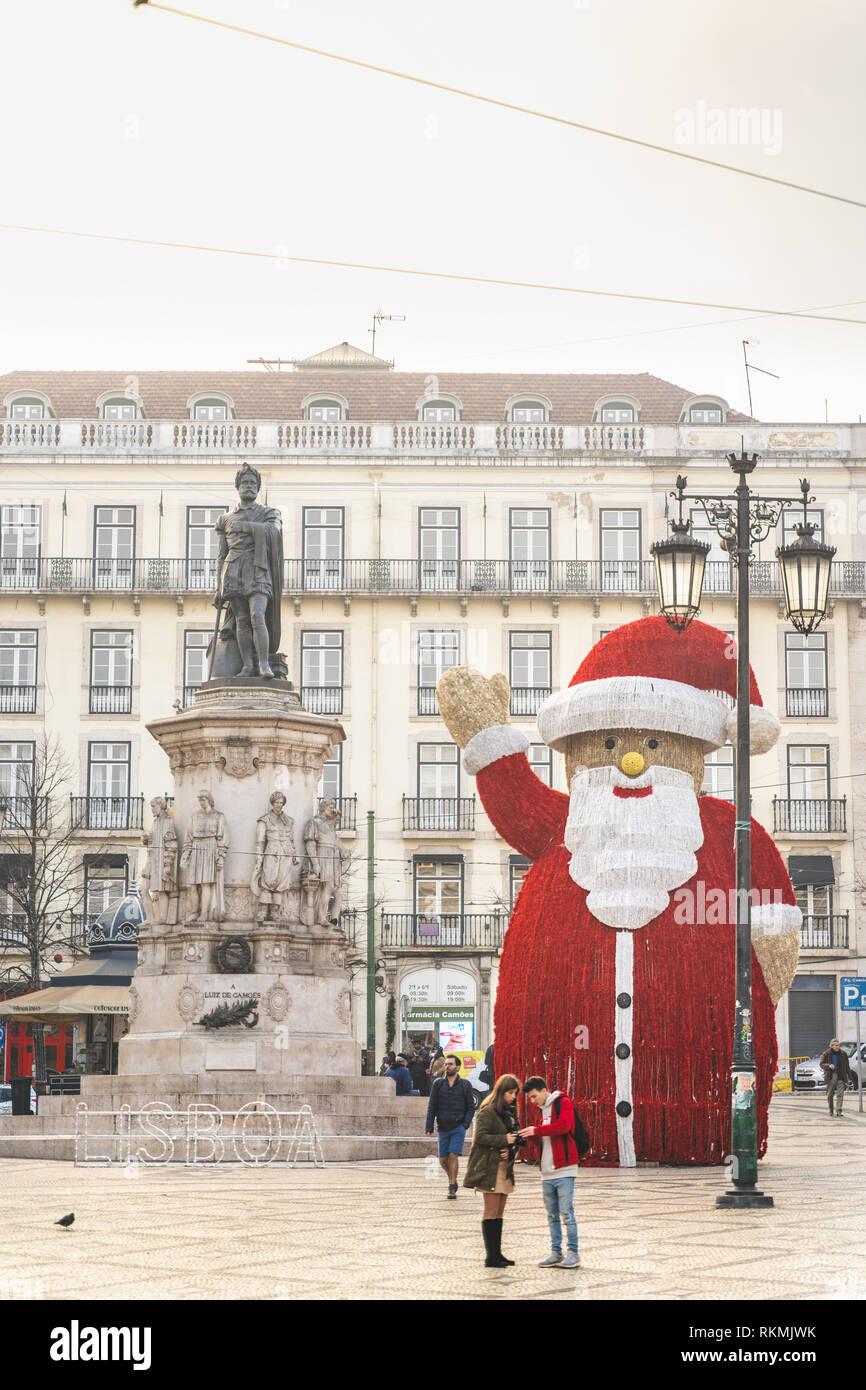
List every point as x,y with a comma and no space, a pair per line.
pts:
324,862
159,878
275,860
250,575
204,851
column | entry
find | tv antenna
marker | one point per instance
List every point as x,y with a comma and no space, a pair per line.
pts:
750,367
380,317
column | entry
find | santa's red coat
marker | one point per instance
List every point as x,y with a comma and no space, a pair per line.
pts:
557,1012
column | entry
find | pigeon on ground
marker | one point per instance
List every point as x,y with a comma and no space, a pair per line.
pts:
66,1221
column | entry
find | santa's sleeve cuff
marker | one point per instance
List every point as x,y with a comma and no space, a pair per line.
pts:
499,741
772,919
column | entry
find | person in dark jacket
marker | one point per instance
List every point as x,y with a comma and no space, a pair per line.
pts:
418,1071
452,1107
399,1073
837,1074
491,1162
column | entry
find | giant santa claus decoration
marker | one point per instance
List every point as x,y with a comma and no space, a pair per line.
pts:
617,974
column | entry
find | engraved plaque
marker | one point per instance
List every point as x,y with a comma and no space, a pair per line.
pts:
225,1056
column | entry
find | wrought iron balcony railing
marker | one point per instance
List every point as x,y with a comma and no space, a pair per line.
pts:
13,929
188,692
107,812
527,699
438,813
806,702
427,701
110,699
792,816
557,578
322,699
348,808
17,699
828,933
24,813
479,930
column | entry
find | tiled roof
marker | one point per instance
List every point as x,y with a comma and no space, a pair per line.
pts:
371,394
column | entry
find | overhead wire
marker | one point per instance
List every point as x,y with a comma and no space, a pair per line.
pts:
504,105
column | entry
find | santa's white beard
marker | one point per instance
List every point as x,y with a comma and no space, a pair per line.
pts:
630,853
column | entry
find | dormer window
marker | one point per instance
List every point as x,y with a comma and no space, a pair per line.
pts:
617,413
705,413
325,411
27,408
211,409
441,412
119,408
528,413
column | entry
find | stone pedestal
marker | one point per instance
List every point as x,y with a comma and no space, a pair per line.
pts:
238,995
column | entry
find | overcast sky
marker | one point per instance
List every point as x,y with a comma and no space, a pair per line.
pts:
134,123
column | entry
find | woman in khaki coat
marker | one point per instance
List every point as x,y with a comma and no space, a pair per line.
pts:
490,1169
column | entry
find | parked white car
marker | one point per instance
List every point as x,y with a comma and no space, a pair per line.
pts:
809,1076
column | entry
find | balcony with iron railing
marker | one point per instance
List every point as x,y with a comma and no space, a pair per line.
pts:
824,816
824,933
452,931
427,701
188,692
110,699
22,814
438,813
806,702
368,578
322,699
17,699
13,930
526,700
107,812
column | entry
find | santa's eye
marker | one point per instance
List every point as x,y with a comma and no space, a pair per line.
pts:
652,743
610,743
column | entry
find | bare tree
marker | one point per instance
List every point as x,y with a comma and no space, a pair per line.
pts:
41,876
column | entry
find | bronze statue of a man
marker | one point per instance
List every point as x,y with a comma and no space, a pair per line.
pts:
250,574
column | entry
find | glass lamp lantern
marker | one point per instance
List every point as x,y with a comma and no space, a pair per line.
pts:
806,566
679,566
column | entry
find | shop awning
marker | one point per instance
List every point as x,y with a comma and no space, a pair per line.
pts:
55,1004
811,870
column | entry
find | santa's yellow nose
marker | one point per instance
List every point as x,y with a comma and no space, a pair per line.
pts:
632,764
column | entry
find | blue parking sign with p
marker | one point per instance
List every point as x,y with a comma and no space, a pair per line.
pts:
853,992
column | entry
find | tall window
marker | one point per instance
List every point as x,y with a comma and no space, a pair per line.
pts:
18,653
110,672
323,547
120,408
27,408
108,785
20,543
441,411
792,517
113,547
17,769
331,780
438,771
529,671
106,881
806,674
528,413
529,548
541,761
195,644
814,879
719,773
438,547
617,413
210,410
705,413
325,411
518,868
808,787
620,548
439,887
202,544
437,652
322,672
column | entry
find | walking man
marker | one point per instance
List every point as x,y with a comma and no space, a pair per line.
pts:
559,1161
837,1074
452,1107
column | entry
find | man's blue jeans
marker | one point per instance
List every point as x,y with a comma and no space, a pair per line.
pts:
558,1196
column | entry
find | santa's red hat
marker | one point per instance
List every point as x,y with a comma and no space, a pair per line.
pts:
646,675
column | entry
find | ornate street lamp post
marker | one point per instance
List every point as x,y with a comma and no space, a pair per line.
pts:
805,567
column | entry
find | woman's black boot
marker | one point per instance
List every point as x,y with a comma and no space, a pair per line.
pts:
498,1239
494,1259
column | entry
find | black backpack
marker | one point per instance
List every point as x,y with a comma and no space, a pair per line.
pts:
579,1134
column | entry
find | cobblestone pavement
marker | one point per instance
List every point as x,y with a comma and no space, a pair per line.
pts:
384,1230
